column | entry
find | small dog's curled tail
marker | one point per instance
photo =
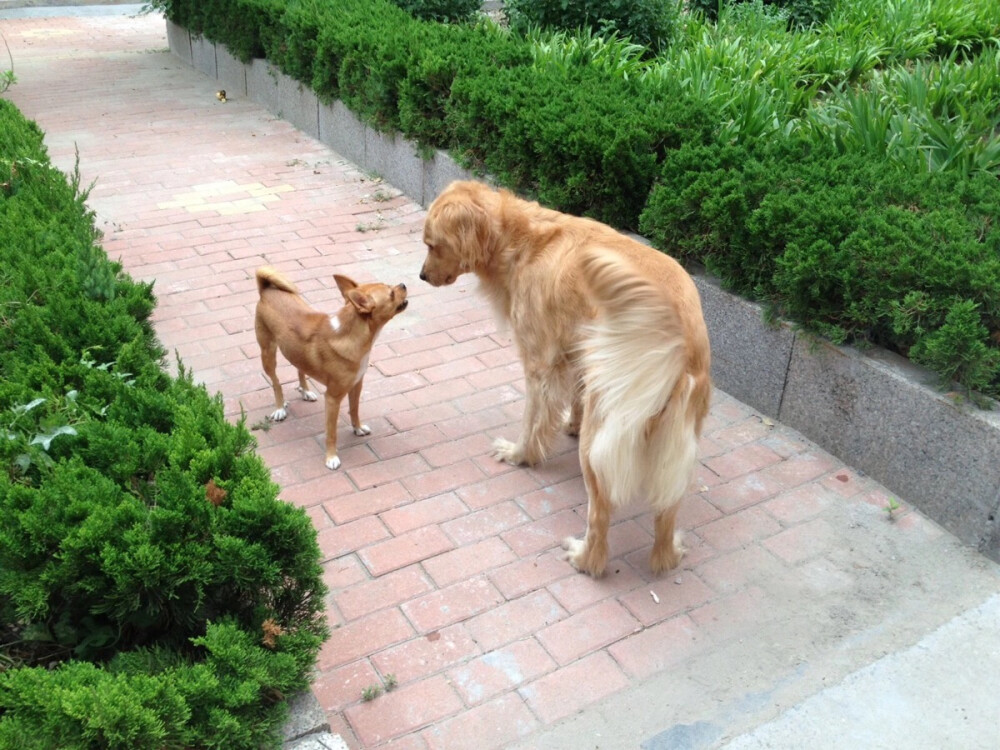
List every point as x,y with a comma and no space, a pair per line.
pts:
638,384
270,277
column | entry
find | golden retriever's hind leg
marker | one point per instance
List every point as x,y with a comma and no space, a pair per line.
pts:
539,425
575,417
307,393
590,554
667,547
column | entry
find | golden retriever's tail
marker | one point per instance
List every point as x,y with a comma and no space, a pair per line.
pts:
270,277
645,412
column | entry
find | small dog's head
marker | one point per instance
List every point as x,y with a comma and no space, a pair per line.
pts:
456,233
379,303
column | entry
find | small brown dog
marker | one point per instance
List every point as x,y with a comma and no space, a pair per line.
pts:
331,349
604,324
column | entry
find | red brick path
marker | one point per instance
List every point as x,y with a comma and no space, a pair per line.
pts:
443,565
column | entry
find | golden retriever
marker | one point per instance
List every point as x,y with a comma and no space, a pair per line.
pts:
604,324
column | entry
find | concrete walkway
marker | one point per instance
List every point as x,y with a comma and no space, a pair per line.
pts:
804,613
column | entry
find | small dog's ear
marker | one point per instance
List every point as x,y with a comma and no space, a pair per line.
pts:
361,301
344,284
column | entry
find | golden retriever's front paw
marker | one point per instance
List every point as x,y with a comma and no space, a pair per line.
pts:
508,452
582,558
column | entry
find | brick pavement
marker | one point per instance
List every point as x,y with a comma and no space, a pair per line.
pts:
443,565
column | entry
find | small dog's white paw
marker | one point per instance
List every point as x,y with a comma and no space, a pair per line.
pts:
363,430
333,463
307,395
509,452
278,415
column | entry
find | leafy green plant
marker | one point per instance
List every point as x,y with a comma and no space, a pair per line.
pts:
649,23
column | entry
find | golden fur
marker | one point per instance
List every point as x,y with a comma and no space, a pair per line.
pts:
605,325
332,350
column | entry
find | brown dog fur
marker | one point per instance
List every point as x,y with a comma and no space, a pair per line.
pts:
603,324
330,349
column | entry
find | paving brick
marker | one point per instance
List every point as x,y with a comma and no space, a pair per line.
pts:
340,540
800,504
742,493
358,638
531,573
435,481
734,614
405,549
449,567
453,604
739,529
355,505
553,498
672,594
341,687
343,572
389,470
496,489
446,452
743,460
515,619
492,725
433,510
567,690
484,523
403,710
586,631
578,592
797,470
541,535
410,441
660,647
389,590
427,654
802,542
735,570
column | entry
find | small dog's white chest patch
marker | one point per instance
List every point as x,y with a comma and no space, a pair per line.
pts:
361,370
334,323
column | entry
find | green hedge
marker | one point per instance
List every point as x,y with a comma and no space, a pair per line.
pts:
822,222
154,592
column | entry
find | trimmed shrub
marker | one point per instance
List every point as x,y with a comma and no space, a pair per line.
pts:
154,592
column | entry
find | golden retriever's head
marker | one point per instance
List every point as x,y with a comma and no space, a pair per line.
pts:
456,233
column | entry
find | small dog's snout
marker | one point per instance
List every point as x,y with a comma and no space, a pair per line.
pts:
423,275
403,287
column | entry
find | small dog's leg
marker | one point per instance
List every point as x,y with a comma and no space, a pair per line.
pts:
539,425
667,547
269,361
332,413
353,401
590,554
307,393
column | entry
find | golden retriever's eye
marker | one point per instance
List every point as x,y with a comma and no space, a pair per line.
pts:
430,249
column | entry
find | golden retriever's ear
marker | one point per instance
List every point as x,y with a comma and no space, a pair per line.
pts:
361,301
344,284
468,222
